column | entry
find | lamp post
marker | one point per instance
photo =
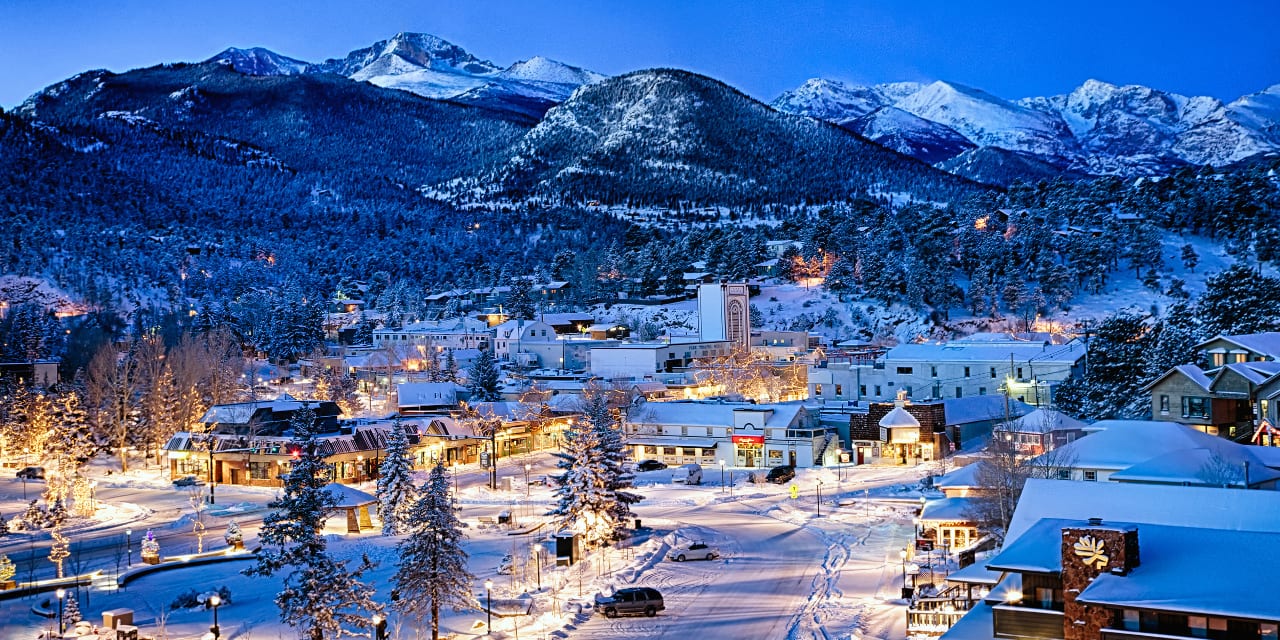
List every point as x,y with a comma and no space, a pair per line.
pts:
211,483
902,553
62,629
488,607
128,547
379,627
839,467
818,490
214,601
527,468
537,561
722,485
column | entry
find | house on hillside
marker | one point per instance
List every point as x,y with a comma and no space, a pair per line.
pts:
1234,388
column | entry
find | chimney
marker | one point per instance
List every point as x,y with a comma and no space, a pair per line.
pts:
1088,552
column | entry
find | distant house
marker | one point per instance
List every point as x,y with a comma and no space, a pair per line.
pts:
741,434
41,373
418,398
1239,388
1040,431
508,336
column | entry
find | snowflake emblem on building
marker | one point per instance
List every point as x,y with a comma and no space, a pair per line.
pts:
1092,552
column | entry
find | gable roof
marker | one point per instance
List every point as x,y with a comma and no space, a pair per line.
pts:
1189,371
1120,444
982,409
1267,344
962,478
1044,421
434,394
1224,467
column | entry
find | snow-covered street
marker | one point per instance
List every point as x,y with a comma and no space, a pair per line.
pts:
784,572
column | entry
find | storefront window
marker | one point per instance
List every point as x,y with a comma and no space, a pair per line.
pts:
261,470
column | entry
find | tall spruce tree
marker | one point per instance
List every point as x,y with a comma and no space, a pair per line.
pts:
433,564
395,482
483,379
591,496
320,596
520,304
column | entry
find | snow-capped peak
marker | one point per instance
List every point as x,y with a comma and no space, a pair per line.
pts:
988,120
257,61
831,100
541,69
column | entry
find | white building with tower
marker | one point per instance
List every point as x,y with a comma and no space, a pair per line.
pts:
724,313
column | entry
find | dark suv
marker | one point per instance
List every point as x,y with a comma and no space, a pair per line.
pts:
31,473
632,600
781,475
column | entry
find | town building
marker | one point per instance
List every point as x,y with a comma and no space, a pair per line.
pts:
741,434
641,360
454,333
510,336
41,373
905,432
724,313
1236,388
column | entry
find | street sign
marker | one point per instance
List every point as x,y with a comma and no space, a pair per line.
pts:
795,492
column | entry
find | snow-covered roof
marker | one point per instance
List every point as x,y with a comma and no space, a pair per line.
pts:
1120,444
347,497
1043,421
961,351
1221,587
1254,372
1207,507
976,573
1264,343
519,328
1189,371
434,394
899,418
948,510
710,414
1201,467
240,412
982,409
962,478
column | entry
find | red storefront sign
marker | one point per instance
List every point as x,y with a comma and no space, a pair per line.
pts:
748,439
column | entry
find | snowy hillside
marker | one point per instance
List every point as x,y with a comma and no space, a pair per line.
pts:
910,134
990,121
260,62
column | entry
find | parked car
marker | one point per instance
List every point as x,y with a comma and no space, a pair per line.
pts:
693,551
650,465
31,473
688,474
630,601
188,481
781,475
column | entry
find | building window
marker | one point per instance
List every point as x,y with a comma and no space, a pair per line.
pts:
1019,373
839,390
1199,626
904,371
1269,631
1091,476
959,392
878,394
982,391
260,470
1164,405
933,371
908,388
817,390
1219,359
1195,407
966,372
1044,596
1129,620
862,390
993,373
1064,474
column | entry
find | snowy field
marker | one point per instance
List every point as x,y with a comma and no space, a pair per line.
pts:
784,572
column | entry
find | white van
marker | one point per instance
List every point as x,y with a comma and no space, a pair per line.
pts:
688,474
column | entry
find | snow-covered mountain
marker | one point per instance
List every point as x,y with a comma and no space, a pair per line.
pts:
259,62
1098,128
434,68
910,134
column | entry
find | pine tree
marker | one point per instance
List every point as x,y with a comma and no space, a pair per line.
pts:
1190,258
520,304
320,595
483,379
592,500
433,563
71,613
395,482
449,372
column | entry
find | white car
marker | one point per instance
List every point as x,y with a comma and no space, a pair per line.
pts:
693,551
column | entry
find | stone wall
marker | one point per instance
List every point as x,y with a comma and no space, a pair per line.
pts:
1088,552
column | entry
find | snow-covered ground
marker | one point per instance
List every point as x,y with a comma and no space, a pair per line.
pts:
785,572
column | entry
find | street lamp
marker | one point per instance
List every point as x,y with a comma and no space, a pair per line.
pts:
62,629
537,561
379,627
527,468
128,547
902,553
214,601
839,467
488,607
818,489
722,485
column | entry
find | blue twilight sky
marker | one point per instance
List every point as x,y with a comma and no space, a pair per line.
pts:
1012,49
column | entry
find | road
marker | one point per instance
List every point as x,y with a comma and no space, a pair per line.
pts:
755,591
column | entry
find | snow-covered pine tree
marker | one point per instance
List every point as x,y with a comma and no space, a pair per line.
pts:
591,499
71,614
520,300
320,596
483,379
395,482
433,564
615,456
449,373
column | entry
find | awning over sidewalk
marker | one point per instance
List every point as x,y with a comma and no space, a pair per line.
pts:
672,442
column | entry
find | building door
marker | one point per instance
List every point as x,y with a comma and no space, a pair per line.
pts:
793,457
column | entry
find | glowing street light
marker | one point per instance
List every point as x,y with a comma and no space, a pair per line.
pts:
62,629
214,601
488,607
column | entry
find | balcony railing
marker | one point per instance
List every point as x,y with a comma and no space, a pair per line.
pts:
1014,622
934,616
